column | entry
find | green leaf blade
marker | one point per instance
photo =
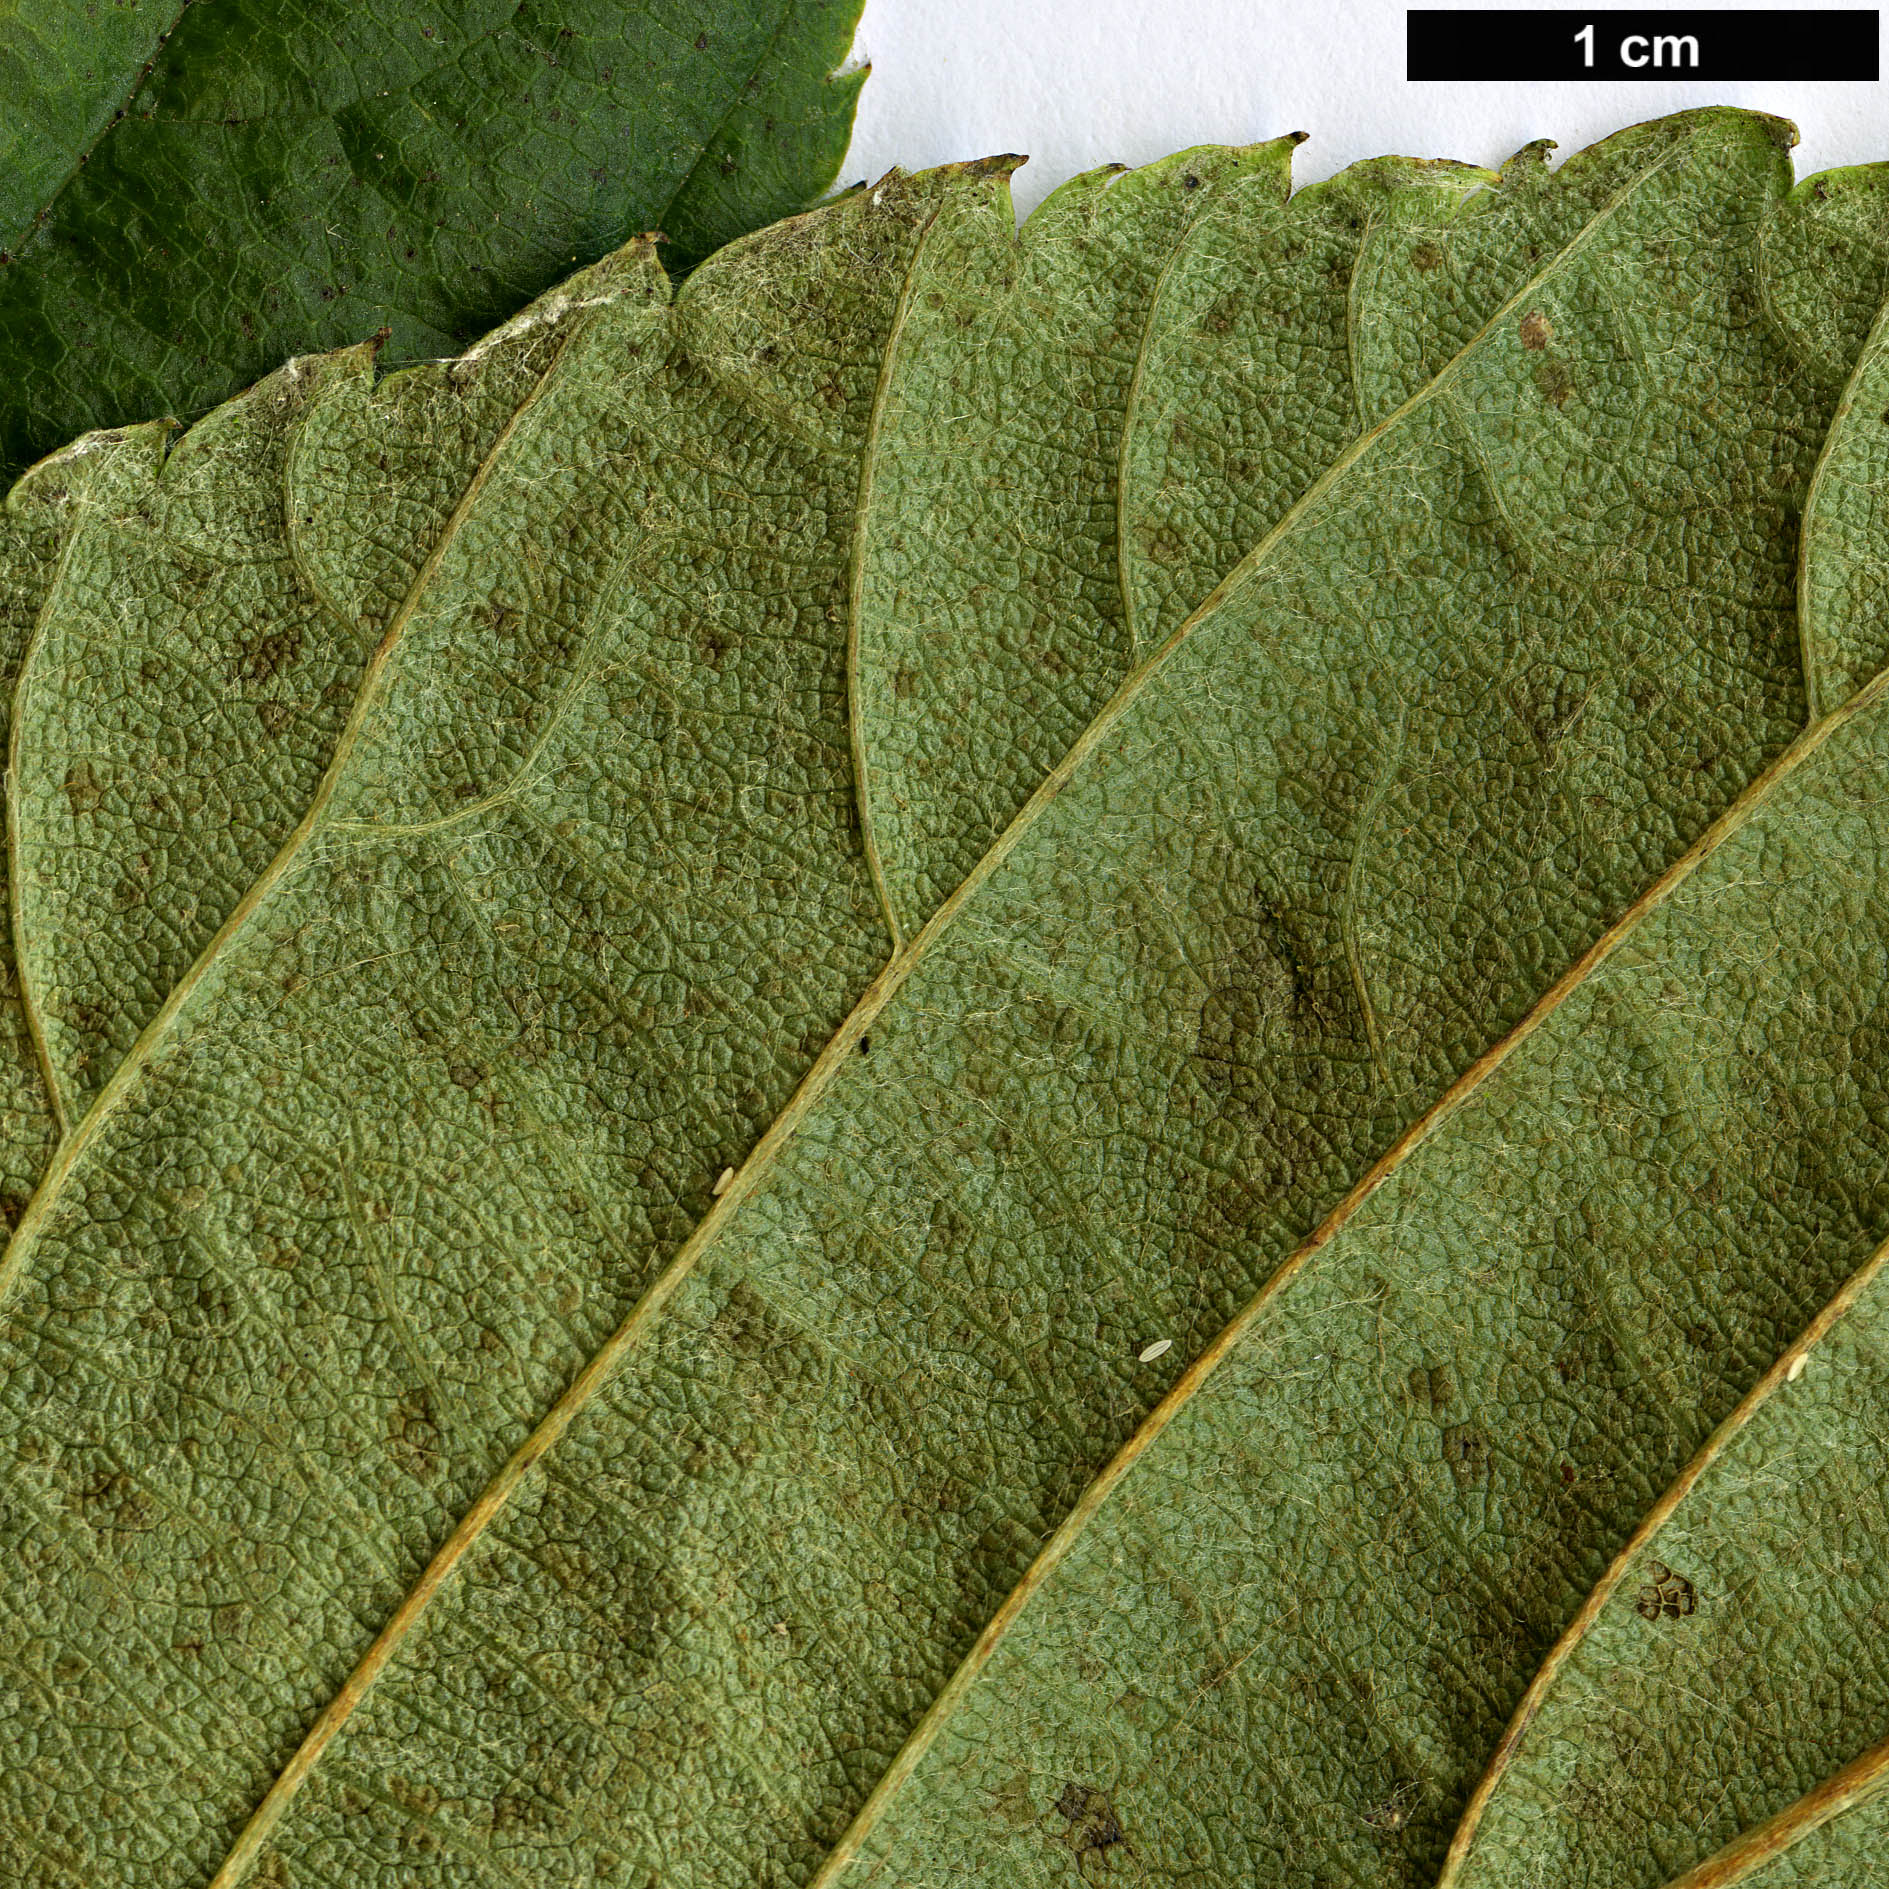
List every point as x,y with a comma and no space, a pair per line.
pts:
580,947
476,1058
895,1354
1845,581
36,518
1251,378
992,618
1726,1656
176,710
1291,1623
784,138
217,601
291,182
64,77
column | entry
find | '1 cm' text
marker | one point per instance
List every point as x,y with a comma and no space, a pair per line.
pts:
1640,49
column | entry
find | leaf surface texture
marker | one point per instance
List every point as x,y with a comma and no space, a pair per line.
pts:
693,960
198,191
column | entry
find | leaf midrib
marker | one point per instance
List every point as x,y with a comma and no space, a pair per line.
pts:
615,1350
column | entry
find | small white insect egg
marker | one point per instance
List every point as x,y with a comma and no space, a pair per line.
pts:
1150,1352
1798,1365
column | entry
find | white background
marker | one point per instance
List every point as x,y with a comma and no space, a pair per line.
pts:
1076,83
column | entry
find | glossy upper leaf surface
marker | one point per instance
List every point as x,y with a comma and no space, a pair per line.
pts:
65,73
283,178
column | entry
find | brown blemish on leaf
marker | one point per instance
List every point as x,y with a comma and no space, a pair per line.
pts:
1466,1450
264,656
413,1438
1395,1811
1093,1829
1537,330
1666,1595
83,792
1555,380
112,1502
1226,310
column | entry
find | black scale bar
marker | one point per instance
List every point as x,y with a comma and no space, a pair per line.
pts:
1666,44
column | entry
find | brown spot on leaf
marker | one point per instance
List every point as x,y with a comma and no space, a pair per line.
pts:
1093,1828
421,1799
1555,379
1162,544
1466,1450
112,1503
264,656
1537,329
1666,1595
83,793
1226,310
1395,1811
413,1438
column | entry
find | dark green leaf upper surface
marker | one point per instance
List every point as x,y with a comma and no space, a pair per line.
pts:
65,73
295,177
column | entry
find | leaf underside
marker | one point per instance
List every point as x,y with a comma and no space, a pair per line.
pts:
965,1058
